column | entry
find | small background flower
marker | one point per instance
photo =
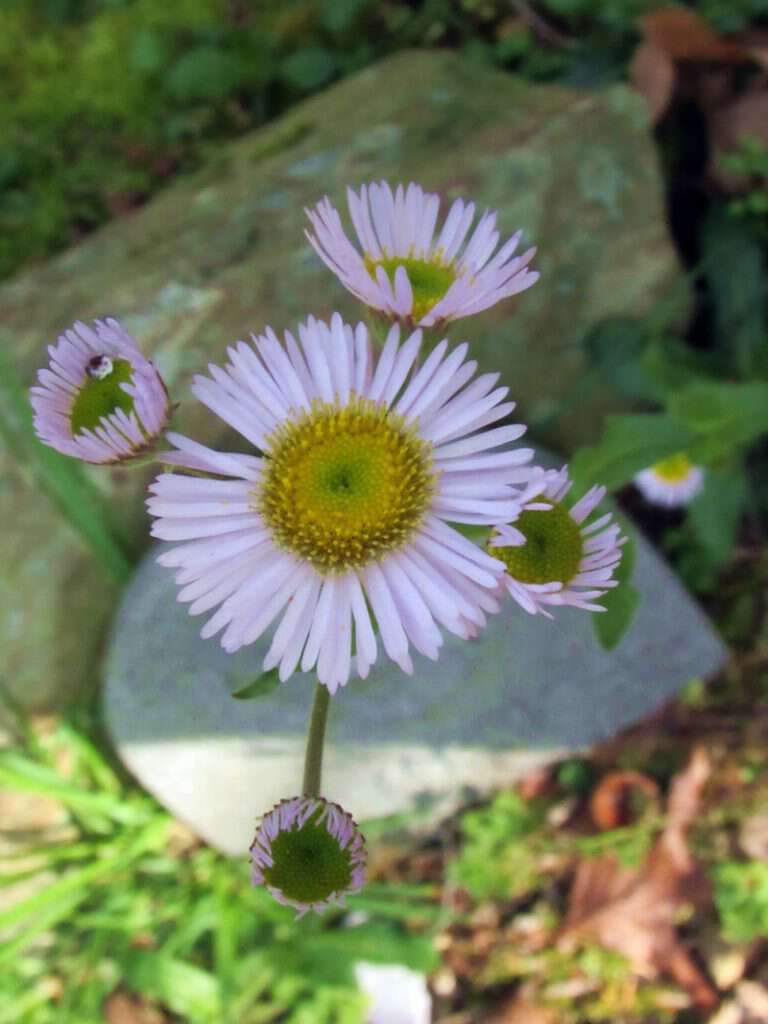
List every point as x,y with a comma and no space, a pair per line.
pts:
308,853
100,399
397,994
550,558
673,482
343,522
407,272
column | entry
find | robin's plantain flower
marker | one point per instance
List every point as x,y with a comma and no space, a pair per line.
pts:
673,482
404,269
550,557
100,399
308,853
338,523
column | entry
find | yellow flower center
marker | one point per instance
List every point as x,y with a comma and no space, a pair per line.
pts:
673,470
100,393
345,485
430,279
552,550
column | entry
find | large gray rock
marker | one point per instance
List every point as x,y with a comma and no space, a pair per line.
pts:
222,252
482,715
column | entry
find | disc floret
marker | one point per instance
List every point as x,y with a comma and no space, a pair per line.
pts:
309,853
345,485
549,557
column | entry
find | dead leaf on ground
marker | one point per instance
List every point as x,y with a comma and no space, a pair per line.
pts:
678,34
684,35
633,910
615,799
123,1008
520,1011
653,73
753,836
732,122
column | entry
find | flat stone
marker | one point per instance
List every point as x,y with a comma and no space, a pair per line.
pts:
485,713
221,253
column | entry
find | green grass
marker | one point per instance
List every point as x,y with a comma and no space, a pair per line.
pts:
119,905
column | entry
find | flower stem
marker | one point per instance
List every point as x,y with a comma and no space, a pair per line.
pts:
313,759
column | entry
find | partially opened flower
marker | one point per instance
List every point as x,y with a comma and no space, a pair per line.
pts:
672,482
550,557
308,853
100,400
338,523
403,269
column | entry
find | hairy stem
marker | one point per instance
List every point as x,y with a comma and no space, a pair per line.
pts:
313,759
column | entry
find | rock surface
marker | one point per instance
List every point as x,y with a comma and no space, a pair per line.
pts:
222,252
485,713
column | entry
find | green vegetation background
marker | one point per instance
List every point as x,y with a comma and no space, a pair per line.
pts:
101,101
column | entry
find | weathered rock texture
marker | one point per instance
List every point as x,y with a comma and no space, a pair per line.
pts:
222,253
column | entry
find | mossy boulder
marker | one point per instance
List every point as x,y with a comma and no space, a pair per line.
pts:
221,253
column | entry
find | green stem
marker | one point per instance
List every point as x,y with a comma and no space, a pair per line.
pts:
313,759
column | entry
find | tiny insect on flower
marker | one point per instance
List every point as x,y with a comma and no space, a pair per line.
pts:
100,400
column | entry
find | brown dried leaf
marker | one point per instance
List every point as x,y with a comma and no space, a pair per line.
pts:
753,836
653,74
633,910
520,1011
684,35
123,1008
612,803
729,124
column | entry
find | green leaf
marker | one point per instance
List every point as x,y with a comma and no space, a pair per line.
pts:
715,514
380,943
620,602
629,444
340,14
308,68
620,605
205,73
721,415
735,268
61,478
616,348
741,897
260,687
187,990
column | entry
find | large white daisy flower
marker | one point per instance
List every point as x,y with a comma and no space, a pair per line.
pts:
339,525
673,482
550,558
100,400
407,272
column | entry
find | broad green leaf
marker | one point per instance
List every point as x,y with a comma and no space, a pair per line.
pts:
379,943
205,73
616,348
620,605
629,444
621,602
308,68
721,415
187,990
61,478
735,268
260,687
715,514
